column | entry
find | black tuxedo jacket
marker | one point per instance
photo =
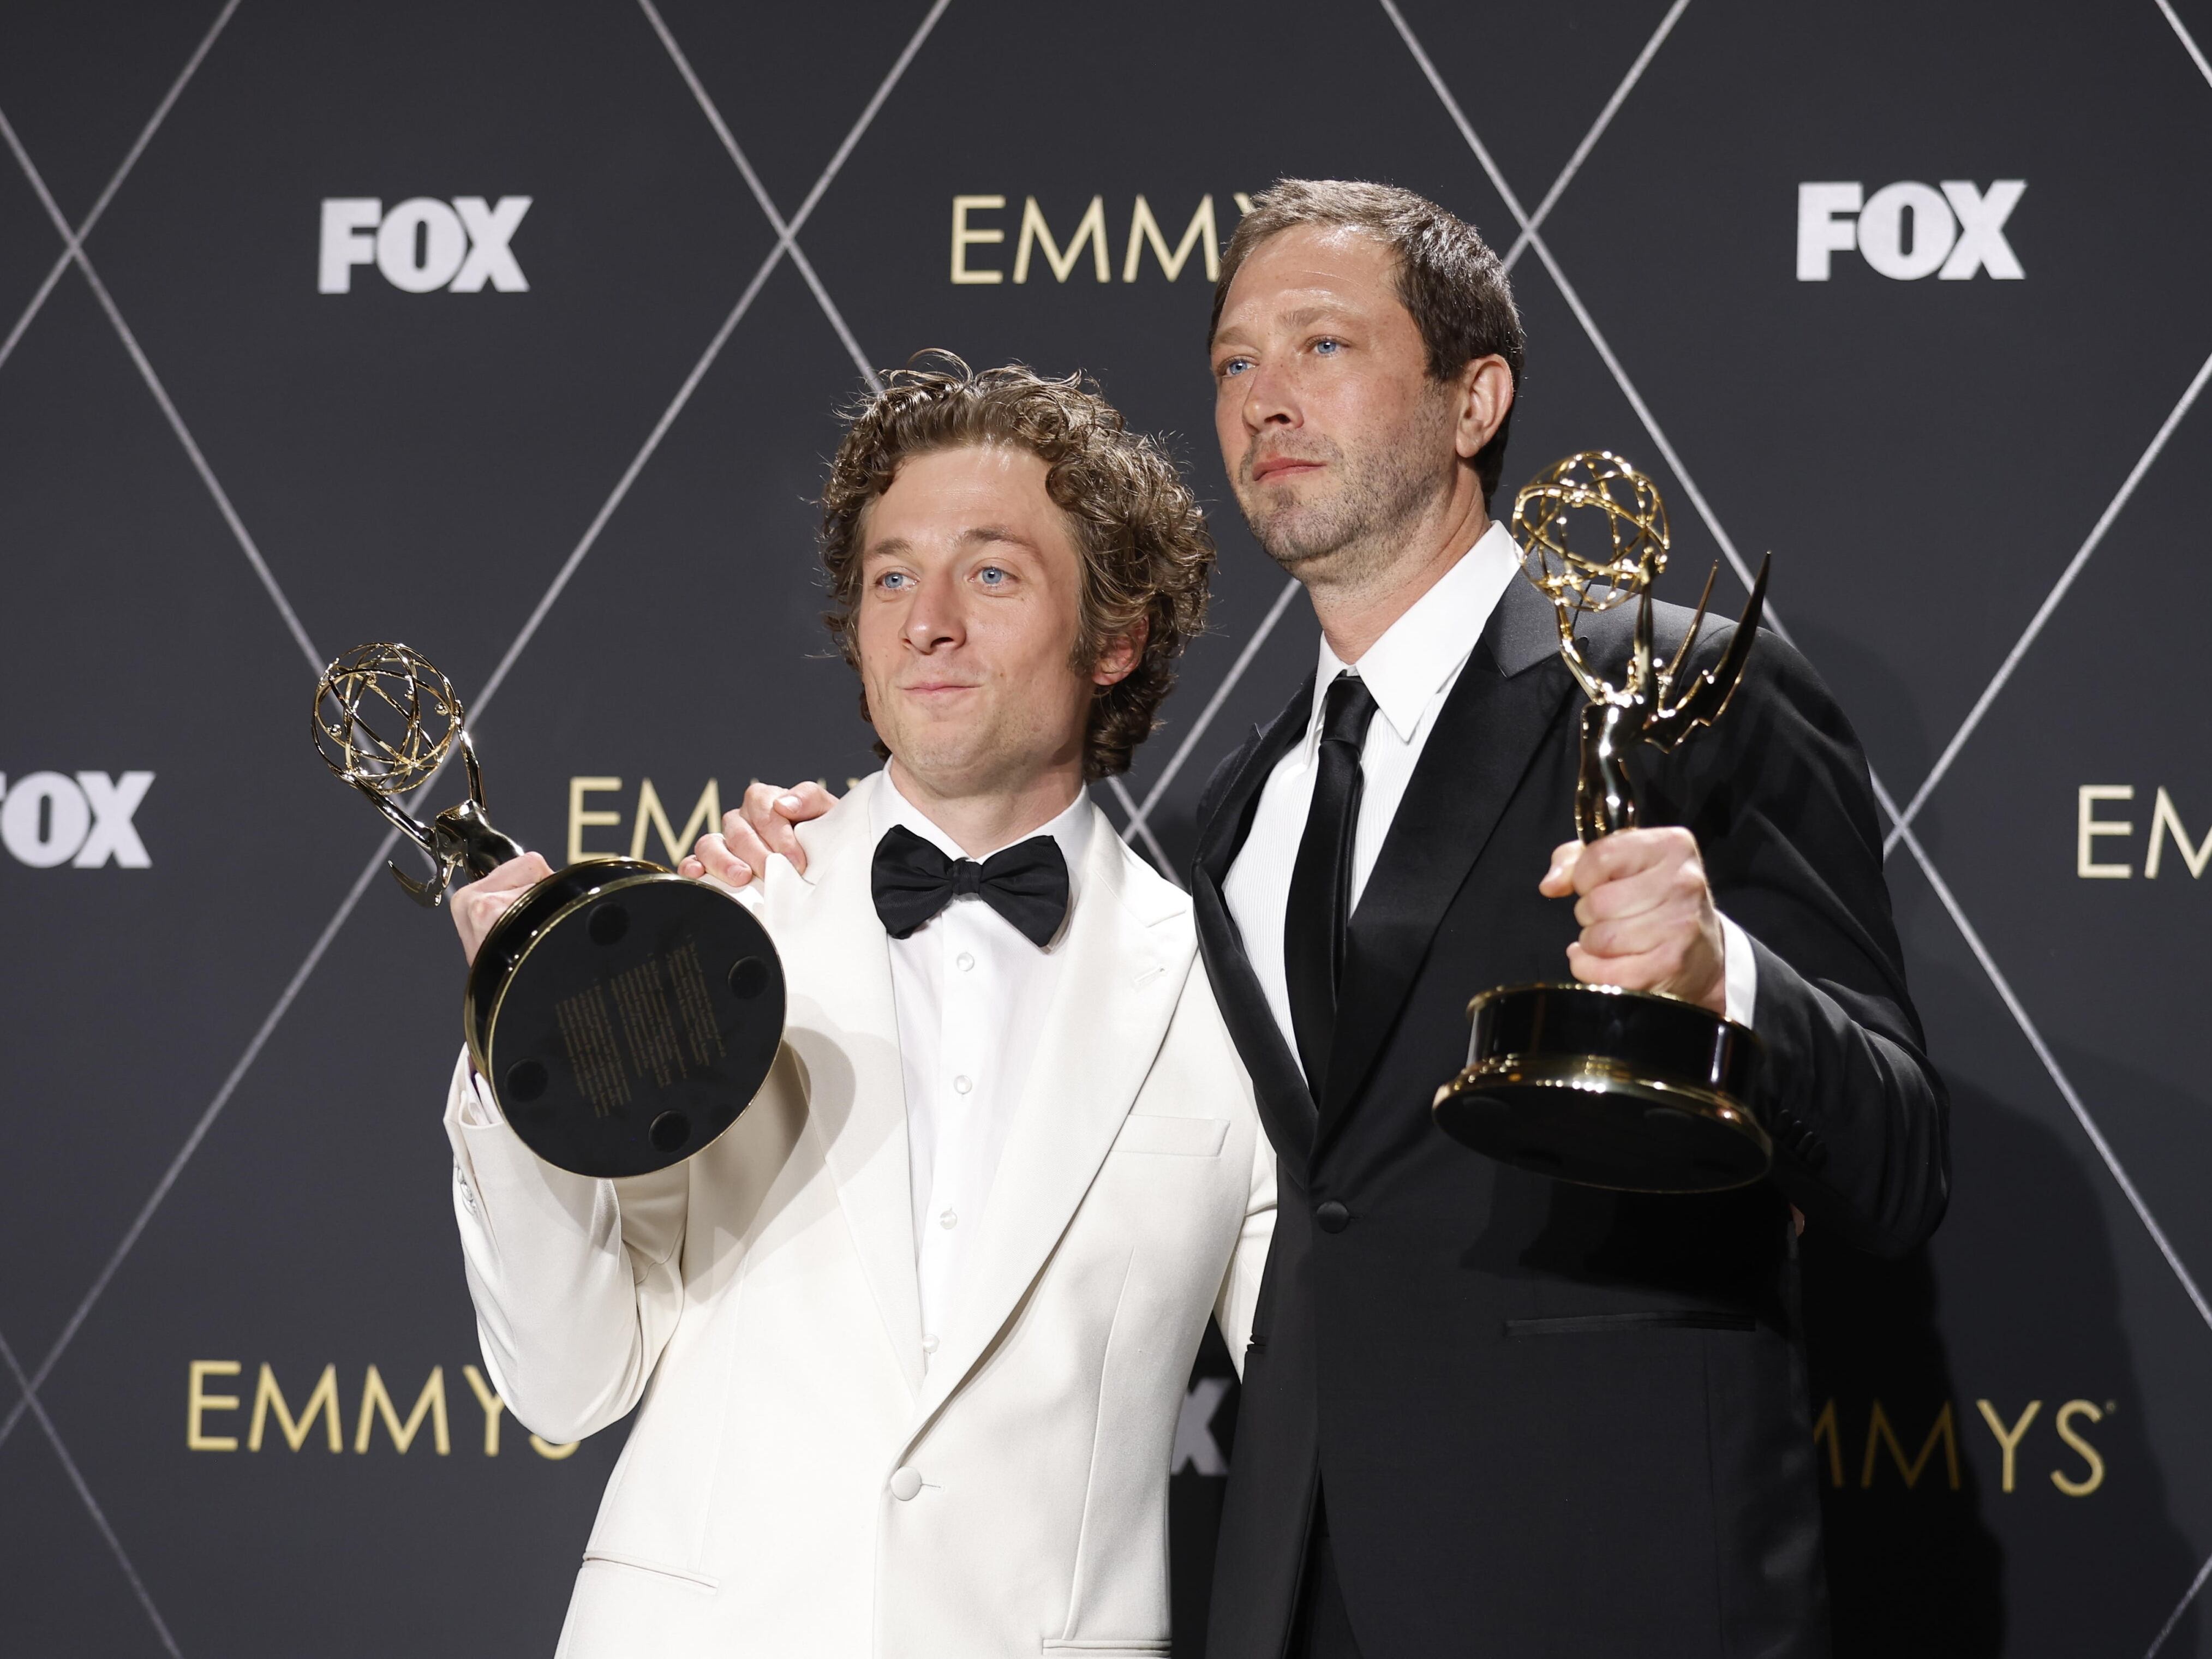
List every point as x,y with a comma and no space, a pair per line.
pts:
1551,1420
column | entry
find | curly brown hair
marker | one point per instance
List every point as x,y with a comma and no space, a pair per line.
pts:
1147,556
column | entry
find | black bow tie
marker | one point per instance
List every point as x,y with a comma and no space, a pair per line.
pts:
1027,884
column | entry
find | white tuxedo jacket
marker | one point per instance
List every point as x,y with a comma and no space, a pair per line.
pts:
797,1484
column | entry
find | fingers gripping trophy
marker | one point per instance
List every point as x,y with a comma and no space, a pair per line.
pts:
1593,1084
622,1015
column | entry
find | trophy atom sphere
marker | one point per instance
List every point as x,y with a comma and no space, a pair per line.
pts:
1594,488
386,686
622,1015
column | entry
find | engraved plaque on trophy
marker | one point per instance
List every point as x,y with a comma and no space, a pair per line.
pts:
1588,1083
623,1014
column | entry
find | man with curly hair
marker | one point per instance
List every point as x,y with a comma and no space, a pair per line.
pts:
1485,1411
911,1337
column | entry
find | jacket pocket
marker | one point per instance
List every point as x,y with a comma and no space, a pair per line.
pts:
1136,1648
1178,1137
1641,1318
658,1569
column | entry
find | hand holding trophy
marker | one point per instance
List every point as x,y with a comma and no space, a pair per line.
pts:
622,1015
1593,1084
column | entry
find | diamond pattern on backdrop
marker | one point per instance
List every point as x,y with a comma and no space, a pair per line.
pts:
831,326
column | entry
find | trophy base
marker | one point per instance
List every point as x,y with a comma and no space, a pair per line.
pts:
1603,1087
624,1015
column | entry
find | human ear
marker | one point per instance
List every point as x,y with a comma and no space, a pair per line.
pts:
1482,400
1121,656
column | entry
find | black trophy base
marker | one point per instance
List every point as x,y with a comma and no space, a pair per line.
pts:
1608,1088
624,1015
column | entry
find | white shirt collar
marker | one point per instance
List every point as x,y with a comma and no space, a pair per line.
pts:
1072,830
1419,653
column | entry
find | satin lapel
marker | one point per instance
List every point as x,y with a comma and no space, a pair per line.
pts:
1508,702
1286,1105
1119,984
844,1027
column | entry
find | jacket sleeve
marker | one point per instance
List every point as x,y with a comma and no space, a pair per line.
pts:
1779,797
577,1282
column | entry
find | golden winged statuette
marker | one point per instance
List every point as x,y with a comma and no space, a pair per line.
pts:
1591,1084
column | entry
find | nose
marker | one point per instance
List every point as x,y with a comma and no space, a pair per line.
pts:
933,621
1269,398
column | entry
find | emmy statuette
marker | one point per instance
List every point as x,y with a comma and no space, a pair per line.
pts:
623,1014
1591,1084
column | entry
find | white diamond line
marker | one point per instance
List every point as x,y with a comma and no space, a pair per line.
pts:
91,1504
191,1144
787,234
483,698
2196,1584
786,242
1140,819
1142,830
161,397
38,303
2189,41
2172,1618
115,181
1251,650
2050,602
868,115
1597,129
1534,239
2112,512
2058,1077
621,491
1957,916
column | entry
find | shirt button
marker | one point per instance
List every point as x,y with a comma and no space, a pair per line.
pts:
929,1344
905,1483
948,1220
962,1085
1332,1216
963,962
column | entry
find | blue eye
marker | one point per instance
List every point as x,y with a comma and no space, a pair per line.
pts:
1234,367
893,580
1328,348
991,576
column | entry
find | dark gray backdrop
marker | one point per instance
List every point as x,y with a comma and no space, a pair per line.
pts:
226,1036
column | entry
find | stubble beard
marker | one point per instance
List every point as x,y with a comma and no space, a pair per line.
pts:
1361,529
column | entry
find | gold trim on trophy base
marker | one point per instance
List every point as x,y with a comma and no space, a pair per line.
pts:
1625,1090
622,1015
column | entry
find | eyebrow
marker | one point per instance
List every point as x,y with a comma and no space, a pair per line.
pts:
1298,319
990,533
975,536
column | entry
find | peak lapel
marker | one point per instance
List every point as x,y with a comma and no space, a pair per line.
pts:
1286,1105
1508,702
1123,975
844,1027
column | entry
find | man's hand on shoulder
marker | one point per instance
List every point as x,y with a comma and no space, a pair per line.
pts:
1647,916
484,901
768,822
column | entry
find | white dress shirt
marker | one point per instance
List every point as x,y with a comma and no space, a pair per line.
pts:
1410,672
971,993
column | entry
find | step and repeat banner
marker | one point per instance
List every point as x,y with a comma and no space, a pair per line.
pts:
517,332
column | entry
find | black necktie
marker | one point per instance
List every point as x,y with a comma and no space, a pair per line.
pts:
1320,881
1027,884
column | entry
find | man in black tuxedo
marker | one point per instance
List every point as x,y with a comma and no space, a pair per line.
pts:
1485,1412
